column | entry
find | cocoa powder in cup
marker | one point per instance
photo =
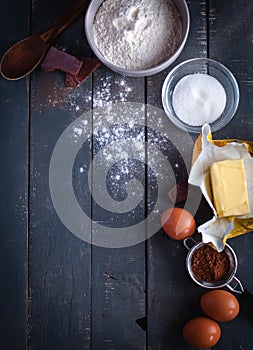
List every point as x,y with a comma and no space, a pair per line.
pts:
208,265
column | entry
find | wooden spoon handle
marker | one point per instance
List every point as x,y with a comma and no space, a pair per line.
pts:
60,24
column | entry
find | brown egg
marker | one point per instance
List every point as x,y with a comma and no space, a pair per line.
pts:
220,305
201,332
178,223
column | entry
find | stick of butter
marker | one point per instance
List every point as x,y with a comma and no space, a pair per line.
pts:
230,195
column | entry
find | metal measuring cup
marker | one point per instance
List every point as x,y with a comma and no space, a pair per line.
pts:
230,281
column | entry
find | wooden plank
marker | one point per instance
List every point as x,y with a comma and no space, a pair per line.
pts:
172,297
60,262
14,187
230,42
14,160
118,274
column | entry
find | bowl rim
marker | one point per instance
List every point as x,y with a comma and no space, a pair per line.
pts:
191,128
141,72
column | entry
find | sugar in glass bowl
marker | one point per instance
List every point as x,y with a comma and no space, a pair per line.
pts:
204,66
182,8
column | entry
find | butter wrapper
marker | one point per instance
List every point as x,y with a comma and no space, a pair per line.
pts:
218,230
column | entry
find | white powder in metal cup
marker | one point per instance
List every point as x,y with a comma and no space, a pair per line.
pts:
137,34
198,99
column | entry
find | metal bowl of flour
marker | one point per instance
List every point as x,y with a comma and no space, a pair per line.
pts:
126,22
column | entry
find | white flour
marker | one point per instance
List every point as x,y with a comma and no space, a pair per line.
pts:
137,34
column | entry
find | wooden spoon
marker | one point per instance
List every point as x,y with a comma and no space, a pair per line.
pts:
23,57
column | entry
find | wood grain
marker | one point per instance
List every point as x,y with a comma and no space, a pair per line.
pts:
14,133
59,262
118,275
225,47
60,292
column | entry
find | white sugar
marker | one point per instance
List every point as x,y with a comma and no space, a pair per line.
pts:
198,99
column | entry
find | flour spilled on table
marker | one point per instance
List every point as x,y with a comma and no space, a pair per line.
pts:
111,91
118,132
122,142
120,169
108,90
129,142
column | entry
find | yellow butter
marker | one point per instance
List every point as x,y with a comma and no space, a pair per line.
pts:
230,195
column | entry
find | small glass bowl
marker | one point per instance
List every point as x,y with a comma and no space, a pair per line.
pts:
205,66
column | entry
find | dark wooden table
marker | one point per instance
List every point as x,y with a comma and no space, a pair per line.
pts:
58,291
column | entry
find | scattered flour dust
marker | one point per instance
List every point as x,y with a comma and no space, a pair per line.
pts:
137,34
110,90
107,91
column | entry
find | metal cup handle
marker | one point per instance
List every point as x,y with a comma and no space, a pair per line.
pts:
235,285
186,242
245,296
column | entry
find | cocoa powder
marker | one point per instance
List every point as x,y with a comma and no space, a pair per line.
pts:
208,265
